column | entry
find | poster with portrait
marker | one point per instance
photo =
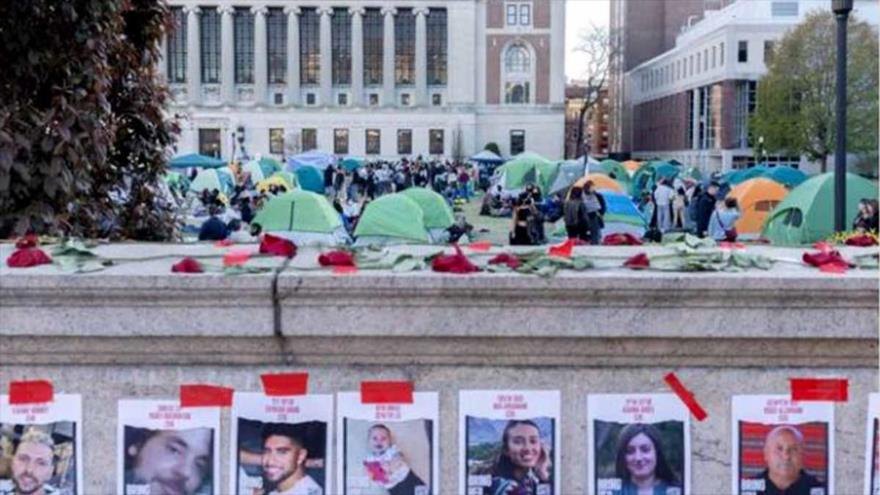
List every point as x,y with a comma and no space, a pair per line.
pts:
782,446
41,446
509,442
637,441
872,450
280,445
387,449
164,449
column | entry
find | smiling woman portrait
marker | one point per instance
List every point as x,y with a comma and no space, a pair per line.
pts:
523,463
641,463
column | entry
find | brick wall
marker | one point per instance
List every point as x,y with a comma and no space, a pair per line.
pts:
542,14
728,114
541,44
661,125
495,14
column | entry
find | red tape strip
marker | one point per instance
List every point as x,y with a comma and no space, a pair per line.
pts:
205,396
282,384
819,389
31,392
686,396
387,392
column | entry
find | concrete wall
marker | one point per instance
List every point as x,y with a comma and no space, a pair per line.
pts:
134,330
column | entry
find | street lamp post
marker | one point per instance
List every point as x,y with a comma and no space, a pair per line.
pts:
841,9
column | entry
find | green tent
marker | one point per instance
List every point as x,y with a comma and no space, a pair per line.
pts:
221,179
393,216
806,215
196,160
528,168
609,167
258,170
438,214
298,211
648,174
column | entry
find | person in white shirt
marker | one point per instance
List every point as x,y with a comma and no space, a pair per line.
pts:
663,197
283,462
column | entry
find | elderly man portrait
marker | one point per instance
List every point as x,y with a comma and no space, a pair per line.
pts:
783,455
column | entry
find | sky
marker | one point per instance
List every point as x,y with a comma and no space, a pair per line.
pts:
579,16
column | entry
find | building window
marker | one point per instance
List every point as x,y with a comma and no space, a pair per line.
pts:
745,105
373,46
784,9
768,51
209,142
276,46
309,139
244,46
276,141
714,55
699,64
435,141
404,99
519,13
436,99
374,99
516,93
689,134
404,141
705,60
310,99
340,36
309,47
512,14
209,27
177,46
743,52
404,47
340,141
342,99
374,142
691,69
721,53
436,25
517,142
517,59
517,74
279,98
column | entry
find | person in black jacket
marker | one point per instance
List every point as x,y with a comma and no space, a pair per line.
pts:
213,229
705,207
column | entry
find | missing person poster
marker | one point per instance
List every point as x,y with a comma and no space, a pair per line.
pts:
638,442
872,451
509,442
164,449
280,445
388,449
782,446
41,447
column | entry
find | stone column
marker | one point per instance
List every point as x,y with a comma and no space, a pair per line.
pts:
388,56
326,58
421,94
261,62
227,56
357,56
193,57
293,90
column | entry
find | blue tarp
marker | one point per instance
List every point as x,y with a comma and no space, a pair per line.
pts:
314,158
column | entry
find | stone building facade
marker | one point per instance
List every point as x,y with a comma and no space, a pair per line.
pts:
367,78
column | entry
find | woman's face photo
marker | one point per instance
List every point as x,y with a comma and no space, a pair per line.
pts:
641,456
524,445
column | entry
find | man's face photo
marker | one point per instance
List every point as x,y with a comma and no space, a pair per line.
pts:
32,467
174,462
782,453
282,457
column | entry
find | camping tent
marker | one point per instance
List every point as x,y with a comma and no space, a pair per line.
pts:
787,176
437,213
310,179
806,215
393,218
756,199
569,171
692,173
196,160
600,183
526,169
609,167
631,166
740,176
259,169
303,217
276,180
487,157
351,163
622,215
221,179
646,176
314,158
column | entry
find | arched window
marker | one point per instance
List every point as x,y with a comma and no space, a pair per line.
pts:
518,70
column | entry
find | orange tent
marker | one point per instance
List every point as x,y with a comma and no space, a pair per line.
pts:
600,181
631,166
756,198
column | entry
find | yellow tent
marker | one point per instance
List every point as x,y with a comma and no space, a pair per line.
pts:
756,198
600,181
631,166
264,185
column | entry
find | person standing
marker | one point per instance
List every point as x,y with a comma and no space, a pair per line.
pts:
663,196
705,207
574,211
595,205
723,219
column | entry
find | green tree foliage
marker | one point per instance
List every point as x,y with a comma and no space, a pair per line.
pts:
83,133
796,99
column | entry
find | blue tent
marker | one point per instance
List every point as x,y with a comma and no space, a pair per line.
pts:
197,161
351,163
487,157
310,179
787,176
314,158
740,176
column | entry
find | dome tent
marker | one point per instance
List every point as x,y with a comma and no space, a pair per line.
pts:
756,199
303,217
438,215
393,218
